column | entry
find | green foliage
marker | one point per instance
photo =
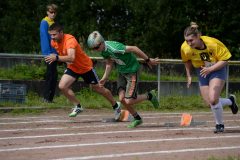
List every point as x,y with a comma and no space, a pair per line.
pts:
32,71
154,26
86,97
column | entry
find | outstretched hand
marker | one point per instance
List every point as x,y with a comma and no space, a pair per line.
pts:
51,58
204,71
153,62
102,82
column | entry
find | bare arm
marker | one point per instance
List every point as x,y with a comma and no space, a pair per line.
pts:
140,53
188,66
205,71
70,57
109,66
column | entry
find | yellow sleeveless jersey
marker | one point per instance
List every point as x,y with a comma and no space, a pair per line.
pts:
214,52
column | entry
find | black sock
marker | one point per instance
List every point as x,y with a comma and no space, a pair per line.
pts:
115,106
136,116
149,96
79,106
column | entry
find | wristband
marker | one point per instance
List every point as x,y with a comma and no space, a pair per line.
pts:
147,60
57,58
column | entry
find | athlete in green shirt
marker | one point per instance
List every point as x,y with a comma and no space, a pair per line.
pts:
128,72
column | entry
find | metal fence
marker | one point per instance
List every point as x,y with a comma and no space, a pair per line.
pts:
4,55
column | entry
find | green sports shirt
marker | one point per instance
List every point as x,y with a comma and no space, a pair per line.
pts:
126,62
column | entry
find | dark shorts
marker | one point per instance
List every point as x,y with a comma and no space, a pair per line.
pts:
128,82
89,77
220,74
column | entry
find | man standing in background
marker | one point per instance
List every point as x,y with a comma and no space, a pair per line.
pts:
47,49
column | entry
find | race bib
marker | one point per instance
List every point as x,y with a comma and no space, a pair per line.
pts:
120,62
209,64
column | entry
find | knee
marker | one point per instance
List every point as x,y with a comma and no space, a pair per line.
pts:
213,101
128,101
121,99
61,86
99,89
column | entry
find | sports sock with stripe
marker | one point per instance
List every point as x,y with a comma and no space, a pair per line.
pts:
225,101
115,106
218,112
136,116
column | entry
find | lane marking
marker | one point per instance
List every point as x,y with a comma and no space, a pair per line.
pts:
39,121
108,114
49,121
96,126
115,132
48,117
147,153
120,142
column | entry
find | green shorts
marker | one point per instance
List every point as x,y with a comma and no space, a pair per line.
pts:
128,82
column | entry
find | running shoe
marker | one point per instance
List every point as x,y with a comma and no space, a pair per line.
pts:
234,106
117,111
76,111
135,123
154,100
219,128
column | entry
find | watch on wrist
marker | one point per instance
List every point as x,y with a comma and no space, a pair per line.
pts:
57,58
147,60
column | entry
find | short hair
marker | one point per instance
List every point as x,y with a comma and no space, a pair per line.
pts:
192,30
94,38
56,26
52,7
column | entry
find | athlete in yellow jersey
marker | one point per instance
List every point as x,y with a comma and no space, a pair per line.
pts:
209,56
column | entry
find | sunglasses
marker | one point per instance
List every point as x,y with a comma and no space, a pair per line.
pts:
95,48
52,12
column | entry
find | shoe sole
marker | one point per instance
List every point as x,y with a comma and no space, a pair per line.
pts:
75,114
154,97
134,126
218,131
119,117
234,97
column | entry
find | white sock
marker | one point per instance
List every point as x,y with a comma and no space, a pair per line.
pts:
218,112
225,101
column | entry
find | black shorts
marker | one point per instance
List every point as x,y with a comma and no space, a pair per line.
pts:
89,77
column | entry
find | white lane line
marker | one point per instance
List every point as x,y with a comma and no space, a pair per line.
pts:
198,113
46,117
49,121
120,142
96,126
39,121
115,132
32,129
147,153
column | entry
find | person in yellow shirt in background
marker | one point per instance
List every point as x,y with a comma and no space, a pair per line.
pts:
209,56
47,49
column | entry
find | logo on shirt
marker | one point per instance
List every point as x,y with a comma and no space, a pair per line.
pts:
205,56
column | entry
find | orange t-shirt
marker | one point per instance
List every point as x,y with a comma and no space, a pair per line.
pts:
82,62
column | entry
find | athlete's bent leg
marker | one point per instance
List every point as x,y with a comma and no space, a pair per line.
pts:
64,86
105,92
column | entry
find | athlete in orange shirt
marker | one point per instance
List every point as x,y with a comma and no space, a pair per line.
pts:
79,65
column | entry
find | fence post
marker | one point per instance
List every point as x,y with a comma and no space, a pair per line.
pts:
159,76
